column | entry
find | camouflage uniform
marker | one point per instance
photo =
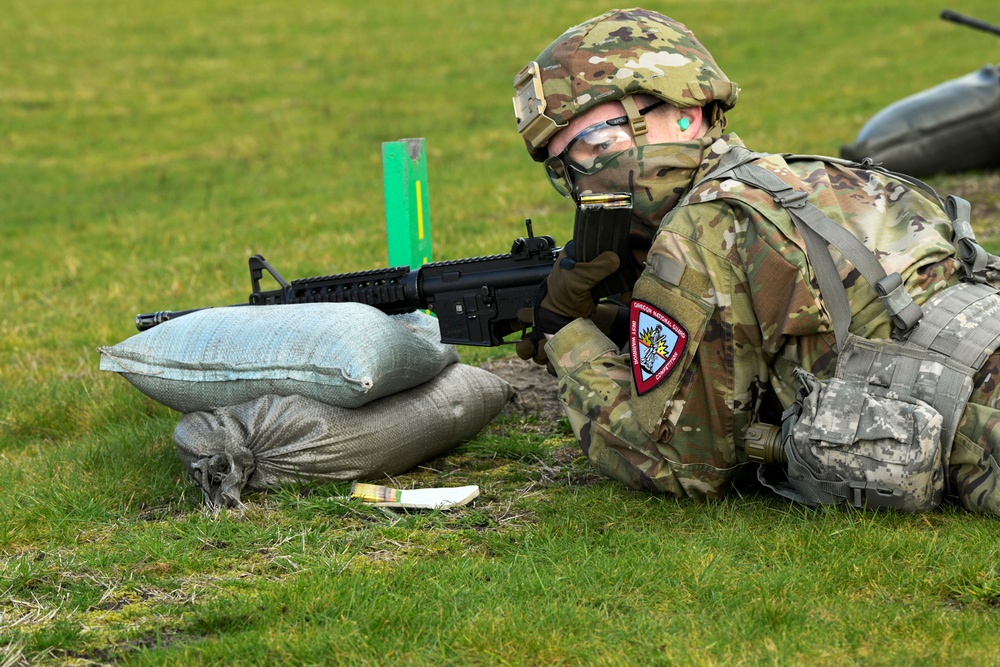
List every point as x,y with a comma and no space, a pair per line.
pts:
729,299
731,270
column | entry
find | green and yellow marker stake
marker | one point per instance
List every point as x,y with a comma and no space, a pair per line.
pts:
407,210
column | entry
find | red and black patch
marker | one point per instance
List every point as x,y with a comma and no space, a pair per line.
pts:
656,343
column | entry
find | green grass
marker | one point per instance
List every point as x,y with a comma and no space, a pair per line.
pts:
147,149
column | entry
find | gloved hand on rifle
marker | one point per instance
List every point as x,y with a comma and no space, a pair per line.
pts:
565,296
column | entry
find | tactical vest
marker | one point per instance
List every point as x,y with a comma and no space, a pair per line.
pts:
879,433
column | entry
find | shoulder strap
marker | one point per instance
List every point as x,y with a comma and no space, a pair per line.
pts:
736,156
819,233
975,260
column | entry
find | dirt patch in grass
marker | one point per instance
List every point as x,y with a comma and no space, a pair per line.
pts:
536,390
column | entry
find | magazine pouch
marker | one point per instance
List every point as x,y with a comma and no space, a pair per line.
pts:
849,442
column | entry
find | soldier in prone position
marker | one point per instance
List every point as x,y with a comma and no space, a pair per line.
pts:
742,314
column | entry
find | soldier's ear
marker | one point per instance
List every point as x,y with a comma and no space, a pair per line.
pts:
690,122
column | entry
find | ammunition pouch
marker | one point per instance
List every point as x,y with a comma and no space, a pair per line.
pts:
854,443
879,433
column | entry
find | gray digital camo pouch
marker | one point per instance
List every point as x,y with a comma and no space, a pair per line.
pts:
862,443
879,433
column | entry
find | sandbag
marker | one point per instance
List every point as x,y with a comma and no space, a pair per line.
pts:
952,127
278,440
343,354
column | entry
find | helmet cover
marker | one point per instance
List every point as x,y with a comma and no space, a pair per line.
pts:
612,56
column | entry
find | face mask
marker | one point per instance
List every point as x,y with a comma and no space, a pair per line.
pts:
657,176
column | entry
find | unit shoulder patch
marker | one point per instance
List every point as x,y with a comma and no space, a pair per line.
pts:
656,343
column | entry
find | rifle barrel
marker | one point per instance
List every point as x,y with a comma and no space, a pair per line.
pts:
144,321
955,17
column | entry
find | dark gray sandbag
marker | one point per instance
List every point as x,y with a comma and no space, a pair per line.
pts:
344,354
278,440
952,127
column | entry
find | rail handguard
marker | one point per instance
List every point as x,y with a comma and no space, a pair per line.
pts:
476,300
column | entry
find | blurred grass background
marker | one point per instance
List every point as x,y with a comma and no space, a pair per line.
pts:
147,149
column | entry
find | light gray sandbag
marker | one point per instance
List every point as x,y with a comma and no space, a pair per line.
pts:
344,354
277,440
952,127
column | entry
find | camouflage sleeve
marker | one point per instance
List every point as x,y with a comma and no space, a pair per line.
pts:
595,386
658,416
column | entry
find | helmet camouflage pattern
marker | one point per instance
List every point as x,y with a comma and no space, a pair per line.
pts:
610,57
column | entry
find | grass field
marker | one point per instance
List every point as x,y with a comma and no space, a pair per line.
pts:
147,149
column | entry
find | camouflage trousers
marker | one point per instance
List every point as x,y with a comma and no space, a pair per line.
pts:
975,455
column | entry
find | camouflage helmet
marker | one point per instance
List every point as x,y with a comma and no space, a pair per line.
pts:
611,57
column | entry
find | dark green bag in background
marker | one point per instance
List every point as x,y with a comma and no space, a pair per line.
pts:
949,128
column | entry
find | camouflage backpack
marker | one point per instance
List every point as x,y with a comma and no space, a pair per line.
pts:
879,433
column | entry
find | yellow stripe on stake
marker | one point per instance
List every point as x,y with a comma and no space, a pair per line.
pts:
420,214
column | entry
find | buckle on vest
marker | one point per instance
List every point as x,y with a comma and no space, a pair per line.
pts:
870,495
794,199
639,127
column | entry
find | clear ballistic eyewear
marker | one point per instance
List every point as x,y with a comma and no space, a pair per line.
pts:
589,150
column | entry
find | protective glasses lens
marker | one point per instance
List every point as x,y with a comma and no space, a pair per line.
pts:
555,169
590,150
584,153
592,147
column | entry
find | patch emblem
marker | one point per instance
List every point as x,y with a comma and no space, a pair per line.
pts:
656,343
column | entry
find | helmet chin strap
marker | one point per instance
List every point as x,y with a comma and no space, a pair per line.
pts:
717,117
637,121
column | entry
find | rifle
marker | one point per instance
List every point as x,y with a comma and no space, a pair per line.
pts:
475,300
962,19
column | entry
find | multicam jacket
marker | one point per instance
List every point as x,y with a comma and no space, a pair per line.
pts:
726,308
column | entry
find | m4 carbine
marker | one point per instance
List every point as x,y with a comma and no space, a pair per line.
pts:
476,300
